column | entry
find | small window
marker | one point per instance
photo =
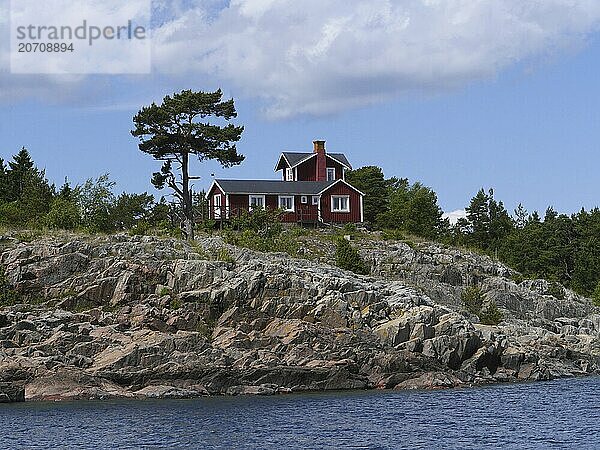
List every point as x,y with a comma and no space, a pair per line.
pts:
286,202
340,203
304,199
289,174
256,201
315,200
330,173
217,206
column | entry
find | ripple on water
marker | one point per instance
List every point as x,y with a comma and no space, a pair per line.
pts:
551,415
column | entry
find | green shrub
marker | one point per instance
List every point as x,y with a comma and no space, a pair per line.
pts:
472,299
164,291
490,315
264,221
392,235
8,296
347,257
596,295
12,214
63,214
140,228
517,277
556,290
223,254
175,303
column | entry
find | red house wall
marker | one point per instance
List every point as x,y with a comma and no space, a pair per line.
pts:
306,212
211,193
339,217
339,169
307,171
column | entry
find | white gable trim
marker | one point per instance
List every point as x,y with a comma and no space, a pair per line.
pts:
279,160
304,160
212,185
339,162
340,181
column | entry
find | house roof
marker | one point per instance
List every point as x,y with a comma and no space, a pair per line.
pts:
277,187
295,158
272,186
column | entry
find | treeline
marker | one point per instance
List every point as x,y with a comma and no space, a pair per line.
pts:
558,247
28,200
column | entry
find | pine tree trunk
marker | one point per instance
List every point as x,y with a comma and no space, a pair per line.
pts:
188,210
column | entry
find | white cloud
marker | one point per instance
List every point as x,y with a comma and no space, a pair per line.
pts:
453,216
322,57
316,57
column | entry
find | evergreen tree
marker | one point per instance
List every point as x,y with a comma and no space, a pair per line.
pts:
412,208
370,180
25,192
4,188
20,169
177,129
488,220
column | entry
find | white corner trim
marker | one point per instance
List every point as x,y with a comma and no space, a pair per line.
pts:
227,206
362,215
319,210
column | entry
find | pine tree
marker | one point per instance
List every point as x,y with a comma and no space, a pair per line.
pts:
177,129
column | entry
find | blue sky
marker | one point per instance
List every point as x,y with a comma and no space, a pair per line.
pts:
525,124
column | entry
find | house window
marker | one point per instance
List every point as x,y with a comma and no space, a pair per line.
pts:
340,203
289,174
256,201
217,199
286,202
304,199
330,173
315,200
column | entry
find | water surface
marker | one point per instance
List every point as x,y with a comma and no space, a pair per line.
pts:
556,414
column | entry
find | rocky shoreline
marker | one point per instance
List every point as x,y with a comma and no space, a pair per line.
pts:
148,317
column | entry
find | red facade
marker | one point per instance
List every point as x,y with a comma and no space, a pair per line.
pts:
334,203
354,197
307,170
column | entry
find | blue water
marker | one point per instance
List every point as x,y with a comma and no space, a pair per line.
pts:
557,414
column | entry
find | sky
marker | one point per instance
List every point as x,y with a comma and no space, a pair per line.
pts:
456,94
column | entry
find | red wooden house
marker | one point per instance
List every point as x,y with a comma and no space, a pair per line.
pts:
312,189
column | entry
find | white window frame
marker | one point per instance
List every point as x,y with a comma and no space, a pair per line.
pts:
304,199
289,174
315,199
334,197
331,174
251,196
281,197
217,205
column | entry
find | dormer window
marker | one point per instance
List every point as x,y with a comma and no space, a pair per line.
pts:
330,173
289,174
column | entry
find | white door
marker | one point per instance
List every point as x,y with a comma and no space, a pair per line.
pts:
217,203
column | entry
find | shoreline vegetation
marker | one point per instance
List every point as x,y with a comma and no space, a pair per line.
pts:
101,297
562,249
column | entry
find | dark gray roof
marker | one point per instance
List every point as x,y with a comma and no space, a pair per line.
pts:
273,187
295,157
